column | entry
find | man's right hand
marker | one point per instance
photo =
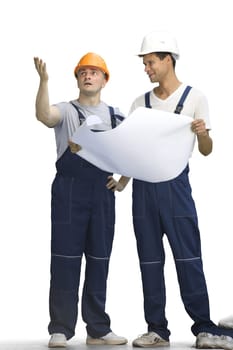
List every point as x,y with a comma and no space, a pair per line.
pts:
48,115
41,69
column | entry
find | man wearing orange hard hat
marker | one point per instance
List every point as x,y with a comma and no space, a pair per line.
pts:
92,60
83,208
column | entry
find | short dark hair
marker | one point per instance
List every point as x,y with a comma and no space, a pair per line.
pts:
162,55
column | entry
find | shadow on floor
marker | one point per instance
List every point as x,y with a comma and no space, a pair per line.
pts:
72,345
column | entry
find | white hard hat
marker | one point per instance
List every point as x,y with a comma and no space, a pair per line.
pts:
159,42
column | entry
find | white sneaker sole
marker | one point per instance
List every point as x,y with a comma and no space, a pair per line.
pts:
156,345
207,346
57,345
99,341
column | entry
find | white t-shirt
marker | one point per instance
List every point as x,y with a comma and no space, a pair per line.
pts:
195,104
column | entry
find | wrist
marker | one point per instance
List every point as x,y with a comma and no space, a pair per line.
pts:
44,81
204,134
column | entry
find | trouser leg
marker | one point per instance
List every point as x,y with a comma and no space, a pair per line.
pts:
151,256
98,250
63,298
194,294
195,297
69,226
94,297
183,234
154,297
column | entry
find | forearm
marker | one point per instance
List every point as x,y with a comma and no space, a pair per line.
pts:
205,144
42,103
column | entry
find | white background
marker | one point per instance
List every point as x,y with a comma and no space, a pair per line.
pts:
60,32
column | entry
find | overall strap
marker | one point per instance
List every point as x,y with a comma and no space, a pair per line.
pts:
114,117
180,104
111,111
147,100
80,115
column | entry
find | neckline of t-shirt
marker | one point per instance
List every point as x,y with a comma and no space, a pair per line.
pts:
177,91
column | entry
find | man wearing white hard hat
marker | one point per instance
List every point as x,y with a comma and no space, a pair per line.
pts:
168,208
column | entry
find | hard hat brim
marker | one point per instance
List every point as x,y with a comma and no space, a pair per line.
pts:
147,52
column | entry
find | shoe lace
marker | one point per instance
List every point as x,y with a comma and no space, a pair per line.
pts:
151,336
226,337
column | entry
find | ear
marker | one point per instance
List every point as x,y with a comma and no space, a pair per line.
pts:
169,59
104,83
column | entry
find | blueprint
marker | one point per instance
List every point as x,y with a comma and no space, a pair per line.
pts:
149,145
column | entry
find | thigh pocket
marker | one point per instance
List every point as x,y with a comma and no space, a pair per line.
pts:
61,199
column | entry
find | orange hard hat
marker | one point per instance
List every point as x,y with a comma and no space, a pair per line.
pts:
92,60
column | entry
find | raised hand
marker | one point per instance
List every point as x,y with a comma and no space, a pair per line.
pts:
41,69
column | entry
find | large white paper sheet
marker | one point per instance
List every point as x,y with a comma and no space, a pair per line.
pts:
149,145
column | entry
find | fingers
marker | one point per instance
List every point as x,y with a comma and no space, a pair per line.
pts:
74,147
114,185
39,64
111,184
41,68
198,127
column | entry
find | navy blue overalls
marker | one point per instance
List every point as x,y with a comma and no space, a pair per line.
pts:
168,208
83,217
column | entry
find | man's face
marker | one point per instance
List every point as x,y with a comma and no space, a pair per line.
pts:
90,80
155,68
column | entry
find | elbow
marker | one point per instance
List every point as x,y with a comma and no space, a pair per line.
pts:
41,118
45,120
205,145
38,117
206,151
48,116
40,114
